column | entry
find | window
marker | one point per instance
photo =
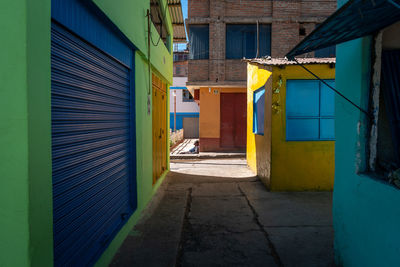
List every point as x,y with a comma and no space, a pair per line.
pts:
241,40
310,110
388,141
258,111
186,96
198,41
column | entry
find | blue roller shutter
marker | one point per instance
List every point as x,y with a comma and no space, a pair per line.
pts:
92,147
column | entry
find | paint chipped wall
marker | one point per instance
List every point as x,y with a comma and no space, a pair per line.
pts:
365,216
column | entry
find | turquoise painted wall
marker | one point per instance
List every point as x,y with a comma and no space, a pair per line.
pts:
25,124
365,212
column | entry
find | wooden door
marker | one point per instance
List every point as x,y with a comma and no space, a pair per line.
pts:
233,121
159,127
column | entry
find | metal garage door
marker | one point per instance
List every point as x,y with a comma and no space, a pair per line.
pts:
191,127
92,148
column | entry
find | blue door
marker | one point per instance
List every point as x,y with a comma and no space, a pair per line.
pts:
92,147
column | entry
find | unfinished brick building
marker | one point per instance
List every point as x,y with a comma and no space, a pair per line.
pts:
221,33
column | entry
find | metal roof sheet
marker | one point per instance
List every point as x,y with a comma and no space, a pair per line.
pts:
284,61
178,23
355,19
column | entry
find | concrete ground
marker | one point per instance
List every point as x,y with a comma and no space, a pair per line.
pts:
216,213
181,152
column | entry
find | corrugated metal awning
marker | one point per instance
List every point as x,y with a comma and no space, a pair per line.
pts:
178,24
269,61
355,19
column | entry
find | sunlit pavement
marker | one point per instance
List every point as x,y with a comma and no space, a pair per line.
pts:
216,213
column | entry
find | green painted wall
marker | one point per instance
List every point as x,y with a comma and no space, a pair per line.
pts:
14,195
25,157
130,17
25,124
366,217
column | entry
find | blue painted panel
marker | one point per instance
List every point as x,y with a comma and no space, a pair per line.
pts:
327,130
327,99
310,110
75,15
302,129
177,88
93,147
302,98
179,119
258,111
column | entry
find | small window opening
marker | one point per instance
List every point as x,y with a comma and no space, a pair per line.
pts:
302,31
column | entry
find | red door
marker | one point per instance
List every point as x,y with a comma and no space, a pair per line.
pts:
233,120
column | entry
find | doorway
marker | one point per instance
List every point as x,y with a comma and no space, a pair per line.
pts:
233,121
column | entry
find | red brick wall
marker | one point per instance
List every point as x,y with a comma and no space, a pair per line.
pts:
247,8
286,18
289,9
198,70
235,70
284,36
181,69
317,8
198,8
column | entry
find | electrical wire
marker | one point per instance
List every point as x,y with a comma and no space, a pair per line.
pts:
329,86
161,20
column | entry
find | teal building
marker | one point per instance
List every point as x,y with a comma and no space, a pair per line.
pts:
366,189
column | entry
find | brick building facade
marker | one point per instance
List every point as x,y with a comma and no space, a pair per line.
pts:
180,63
289,21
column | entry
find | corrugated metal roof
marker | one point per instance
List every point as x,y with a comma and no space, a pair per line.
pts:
178,24
284,61
355,19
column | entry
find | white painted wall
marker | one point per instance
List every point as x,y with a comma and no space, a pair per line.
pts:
179,81
181,106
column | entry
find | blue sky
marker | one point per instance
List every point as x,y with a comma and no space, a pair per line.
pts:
185,14
184,8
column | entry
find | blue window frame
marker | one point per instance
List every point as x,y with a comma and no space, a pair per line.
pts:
241,40
310,110
198,42
258,110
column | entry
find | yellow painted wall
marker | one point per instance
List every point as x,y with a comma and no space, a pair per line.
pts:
305,165
209,121
258,148
285,165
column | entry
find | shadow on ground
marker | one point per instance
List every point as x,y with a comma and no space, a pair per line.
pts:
206,220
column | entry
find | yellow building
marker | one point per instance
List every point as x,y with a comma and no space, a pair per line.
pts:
290,123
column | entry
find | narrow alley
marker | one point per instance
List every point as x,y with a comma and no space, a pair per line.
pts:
215,212
200,133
